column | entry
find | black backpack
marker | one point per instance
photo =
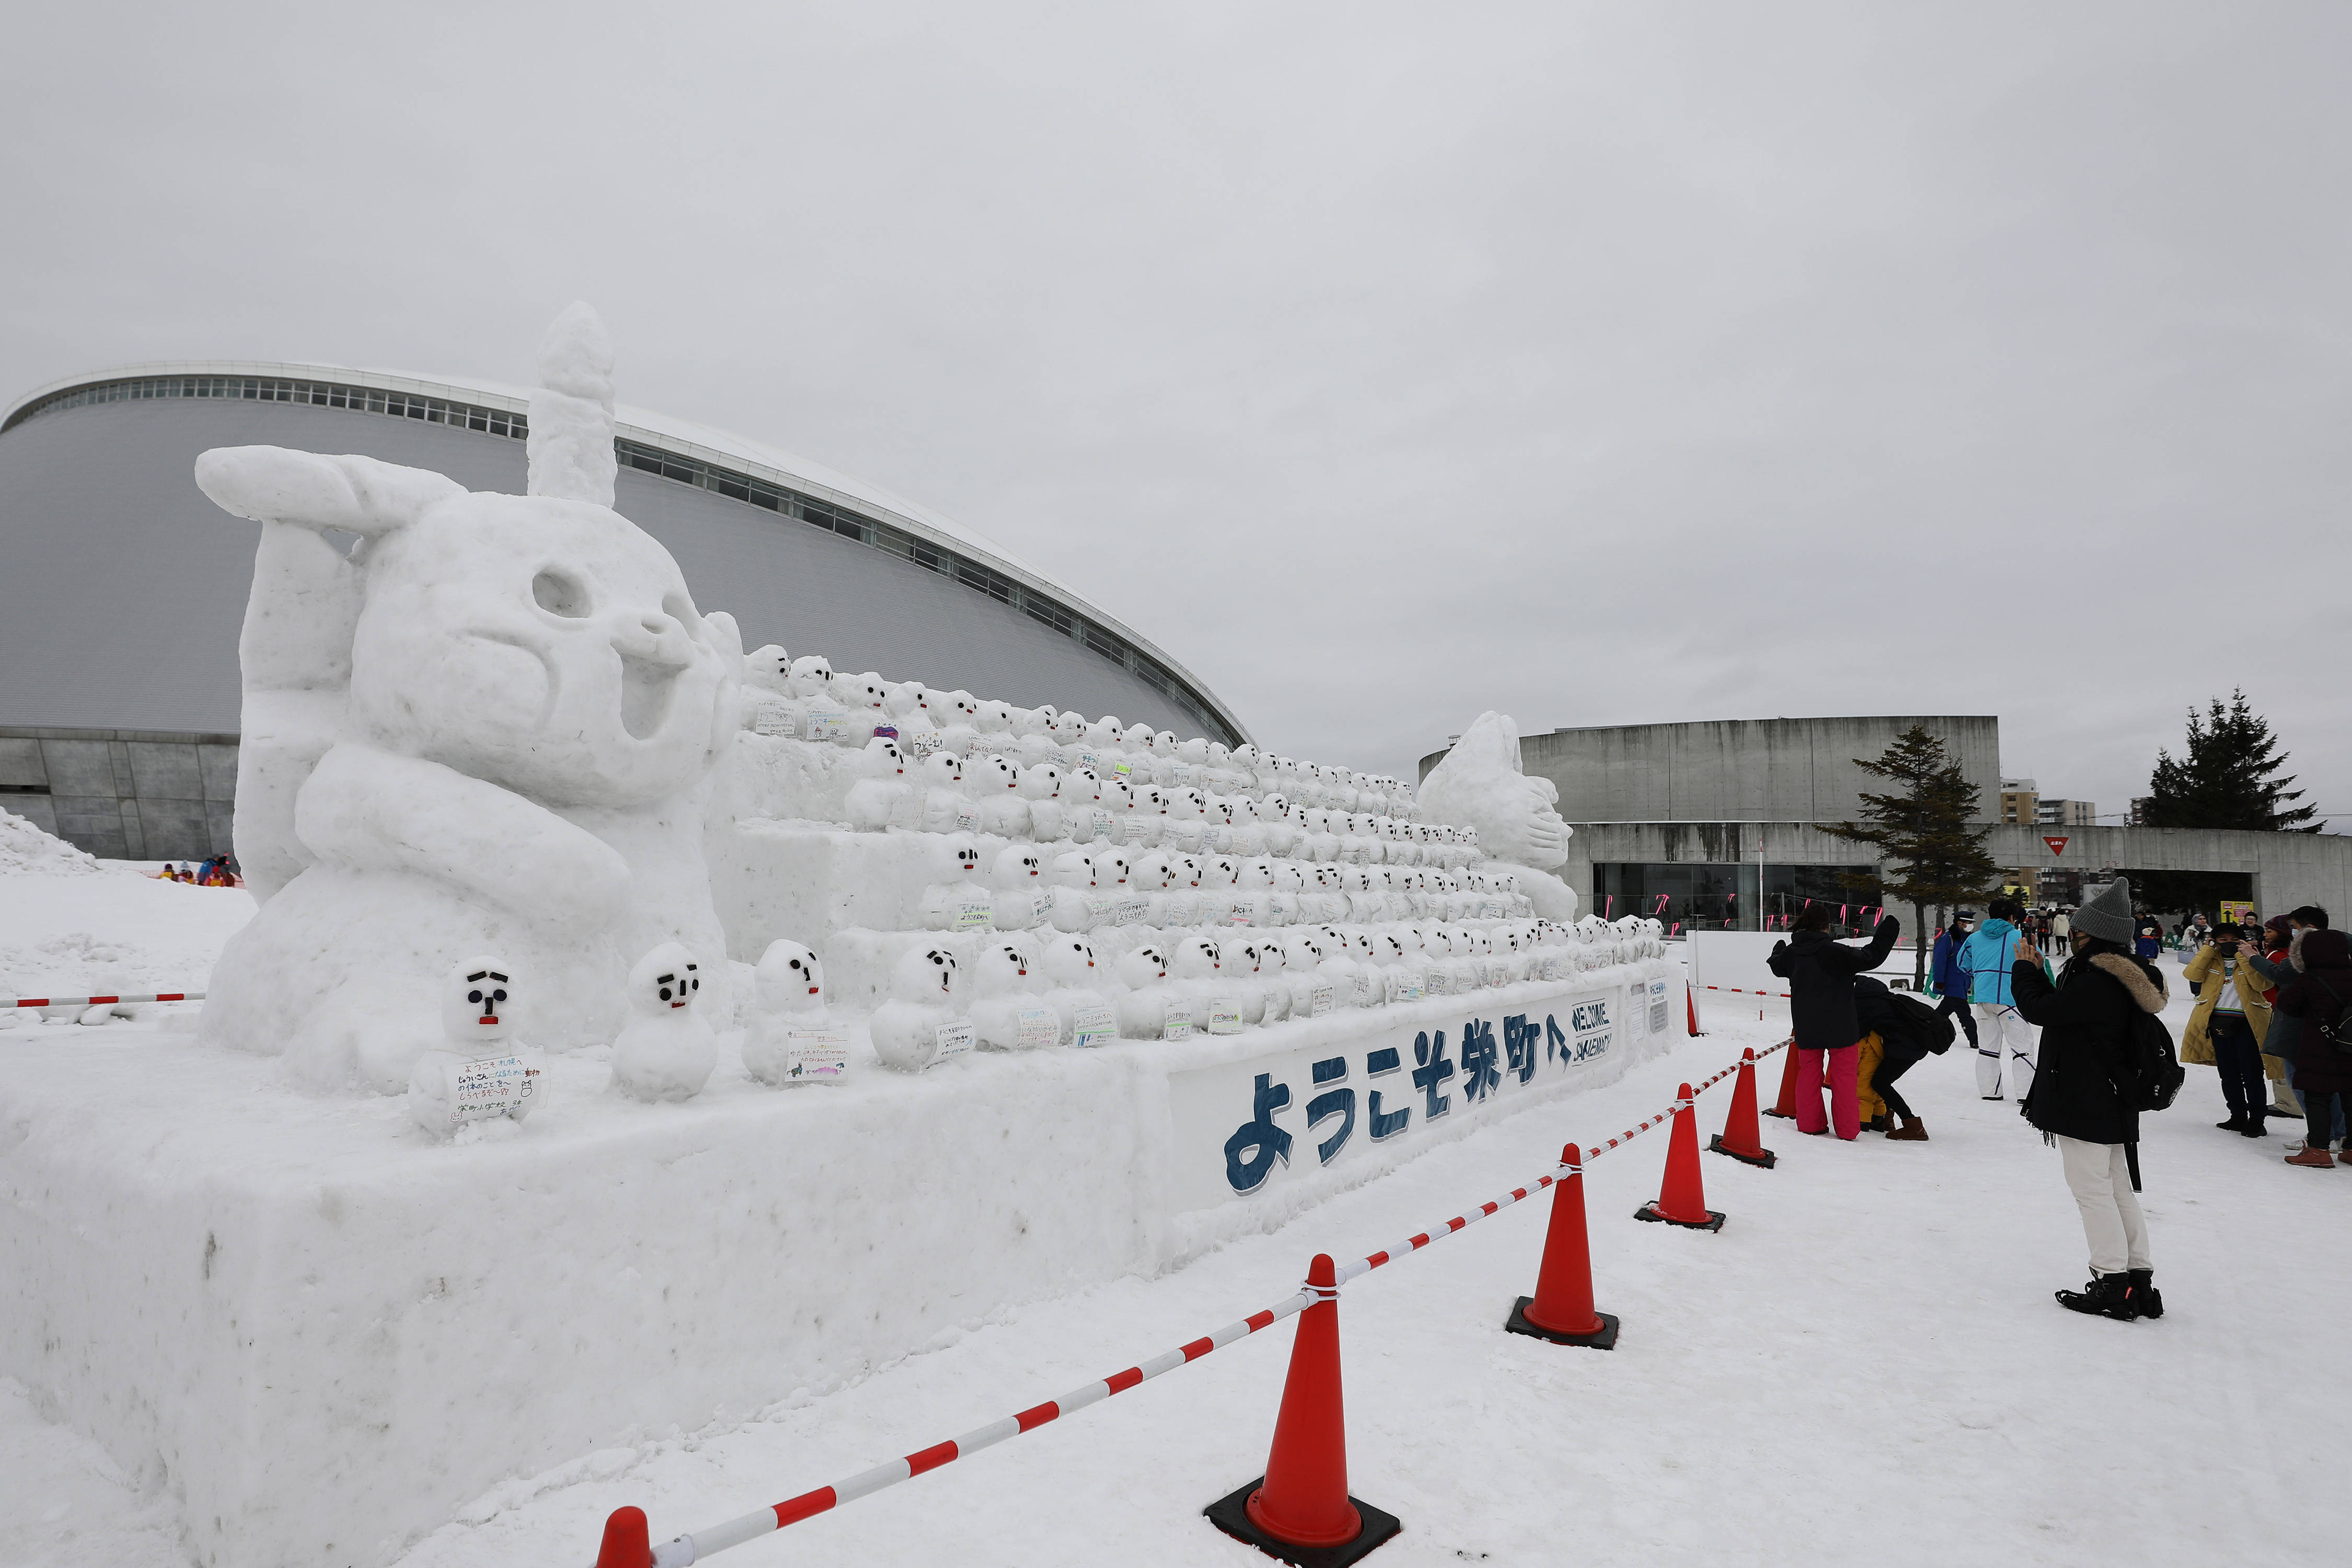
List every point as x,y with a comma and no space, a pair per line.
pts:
1927,1028
2152,1074
2337,1031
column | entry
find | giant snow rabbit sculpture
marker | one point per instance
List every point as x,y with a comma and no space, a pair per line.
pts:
489,727
1479,784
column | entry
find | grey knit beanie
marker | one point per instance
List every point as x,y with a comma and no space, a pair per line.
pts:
2107,913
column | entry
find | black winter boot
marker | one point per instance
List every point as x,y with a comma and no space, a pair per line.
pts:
2108,1296
2236,1123
2143,1292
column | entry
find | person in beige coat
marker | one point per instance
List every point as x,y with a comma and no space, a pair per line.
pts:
2225,1032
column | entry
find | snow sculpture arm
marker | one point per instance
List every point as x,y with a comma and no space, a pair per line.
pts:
1478,785
366,807
296,645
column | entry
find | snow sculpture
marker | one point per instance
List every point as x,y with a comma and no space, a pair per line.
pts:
1146,1005
480,1071
491,727
1479,786
1007,1014
667,1049
916,1027
787,1040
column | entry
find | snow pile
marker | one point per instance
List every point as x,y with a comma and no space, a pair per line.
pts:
27,851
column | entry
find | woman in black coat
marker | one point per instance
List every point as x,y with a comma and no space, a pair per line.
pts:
2086,1020
2316,997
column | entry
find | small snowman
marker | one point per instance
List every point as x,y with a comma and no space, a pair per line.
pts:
812,678
1007,1013
483,1070
1302,960
994,783
1018,889
1041,787
665,1050
1073,986
1146,1003
788,1001
919,1026
957,898
768,706
881,796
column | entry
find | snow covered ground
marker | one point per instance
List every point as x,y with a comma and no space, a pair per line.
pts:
1865,1364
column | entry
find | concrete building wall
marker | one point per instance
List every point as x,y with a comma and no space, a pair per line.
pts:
126,794
1796,769
2288,869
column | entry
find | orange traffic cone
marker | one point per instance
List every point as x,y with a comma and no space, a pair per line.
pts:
625,1545
1787,1104
1742,1138
1299,1510
1682,1196
1690,1000
1561,1308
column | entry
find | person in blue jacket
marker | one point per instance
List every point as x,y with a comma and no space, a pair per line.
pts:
1945,976
2001,1031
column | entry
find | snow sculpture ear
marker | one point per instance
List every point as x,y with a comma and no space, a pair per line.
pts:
570,443
354,494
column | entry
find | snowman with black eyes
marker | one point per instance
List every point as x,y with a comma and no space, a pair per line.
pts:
667,1049
482,1071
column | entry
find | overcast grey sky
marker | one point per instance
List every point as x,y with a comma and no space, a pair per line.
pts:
1599,363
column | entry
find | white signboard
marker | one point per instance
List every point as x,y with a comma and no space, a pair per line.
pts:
816,1056
1035,1029
1094,1023
491,1086
1245,1127
954,1040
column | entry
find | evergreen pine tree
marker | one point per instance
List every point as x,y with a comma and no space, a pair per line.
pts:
1931,851
2226,777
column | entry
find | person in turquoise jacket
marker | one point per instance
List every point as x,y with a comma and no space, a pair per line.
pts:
2001,1031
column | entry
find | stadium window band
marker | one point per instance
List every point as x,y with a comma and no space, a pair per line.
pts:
635,455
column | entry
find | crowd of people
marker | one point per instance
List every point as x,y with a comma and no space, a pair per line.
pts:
220,871
2075,1046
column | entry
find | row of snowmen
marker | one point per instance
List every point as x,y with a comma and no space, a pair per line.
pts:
1025,887
1022,989
939,761
1019,991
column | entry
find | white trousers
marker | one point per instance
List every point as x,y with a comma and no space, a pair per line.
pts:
2001,1032
2100,1180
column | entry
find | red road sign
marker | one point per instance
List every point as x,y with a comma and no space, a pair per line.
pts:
2057,846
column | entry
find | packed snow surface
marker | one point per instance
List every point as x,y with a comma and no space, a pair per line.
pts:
25,850
1865,1359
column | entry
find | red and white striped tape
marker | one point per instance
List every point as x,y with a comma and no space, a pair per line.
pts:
1743,991
96,1001
684,1550
688,1549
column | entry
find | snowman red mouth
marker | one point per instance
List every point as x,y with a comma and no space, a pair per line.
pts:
678,1004
489,1020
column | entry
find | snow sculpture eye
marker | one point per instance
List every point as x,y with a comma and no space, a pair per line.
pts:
560,593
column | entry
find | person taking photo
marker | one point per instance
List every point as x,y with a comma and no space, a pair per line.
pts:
2086,1018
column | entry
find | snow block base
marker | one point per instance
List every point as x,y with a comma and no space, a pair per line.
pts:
1229,1513
390,1324
1605,1338
1763,1159
1649,1211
